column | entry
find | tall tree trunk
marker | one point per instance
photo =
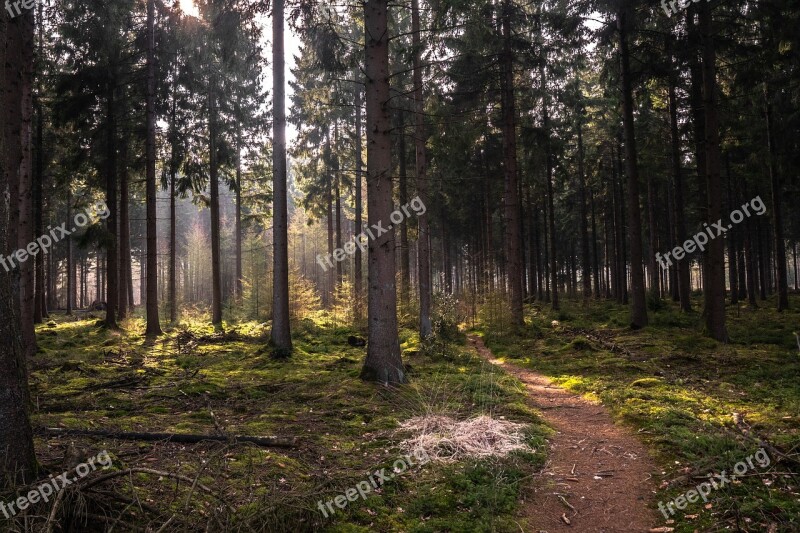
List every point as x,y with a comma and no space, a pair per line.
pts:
487,202
112,272
733,273
777,214
595,254
550,202
761,251
750,262
237,288
173,235
281,336
18,465
26,221
405,257
39,306
330,279
216,257
586,269
338,206
70,259
652,265
532,238
124,228
358,274
639,304
153,325
714,287
383,362
424,243
511,194
684,293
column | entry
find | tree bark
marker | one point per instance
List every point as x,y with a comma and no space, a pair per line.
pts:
40,304
405,257
684,293
639,304
383,363
124,228
777,214
550,202
358,273
714,287
26,221
586,267
237,287
511,198
337,176
70,253
153,325
173,240
112,272
595,253
216,257
281,336
733,273
18,465
424,243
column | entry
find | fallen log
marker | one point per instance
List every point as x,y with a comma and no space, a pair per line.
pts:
272,442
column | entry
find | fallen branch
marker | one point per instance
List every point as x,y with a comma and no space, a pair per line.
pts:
273,442
746,431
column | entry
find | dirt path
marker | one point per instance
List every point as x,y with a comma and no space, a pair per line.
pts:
596,466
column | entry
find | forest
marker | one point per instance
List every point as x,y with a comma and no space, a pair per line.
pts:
411,266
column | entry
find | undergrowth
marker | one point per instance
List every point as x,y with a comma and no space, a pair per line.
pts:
195,380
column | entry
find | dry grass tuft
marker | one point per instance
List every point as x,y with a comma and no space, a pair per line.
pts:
447,440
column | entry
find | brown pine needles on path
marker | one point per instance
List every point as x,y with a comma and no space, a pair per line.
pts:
598,477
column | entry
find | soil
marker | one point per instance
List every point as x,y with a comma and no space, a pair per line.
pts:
596,466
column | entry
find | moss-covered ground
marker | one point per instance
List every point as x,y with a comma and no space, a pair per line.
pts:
192,380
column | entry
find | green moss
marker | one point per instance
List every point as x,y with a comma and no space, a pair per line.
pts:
346,426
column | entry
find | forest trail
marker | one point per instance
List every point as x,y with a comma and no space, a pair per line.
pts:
598,467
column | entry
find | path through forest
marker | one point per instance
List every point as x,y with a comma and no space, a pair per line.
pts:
594,465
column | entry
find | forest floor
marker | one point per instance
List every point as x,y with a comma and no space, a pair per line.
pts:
701,407
695,407
598,476
193,380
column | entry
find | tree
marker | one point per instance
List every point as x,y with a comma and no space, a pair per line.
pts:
420,139
714,282
511,197
153,326
383,363
281,337
639,304
16,436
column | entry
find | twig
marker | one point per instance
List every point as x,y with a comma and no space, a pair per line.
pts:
168,522
274,442
565,502
53,512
